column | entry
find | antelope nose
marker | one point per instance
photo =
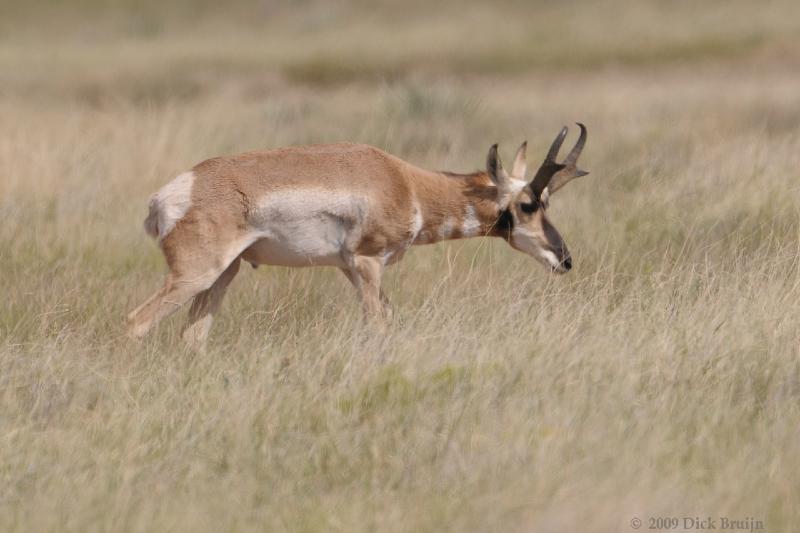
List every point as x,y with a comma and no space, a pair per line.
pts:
567,263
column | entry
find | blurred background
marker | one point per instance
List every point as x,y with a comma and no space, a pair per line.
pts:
145,89
147,51
659,378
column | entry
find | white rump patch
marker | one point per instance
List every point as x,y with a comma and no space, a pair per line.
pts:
471,225
169,205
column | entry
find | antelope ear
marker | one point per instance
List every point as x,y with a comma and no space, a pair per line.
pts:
498,175
544,199
495,167
520,162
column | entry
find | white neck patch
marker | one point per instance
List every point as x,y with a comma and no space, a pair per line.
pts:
446,229
471,225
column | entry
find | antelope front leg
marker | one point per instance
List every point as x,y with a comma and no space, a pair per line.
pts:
365,273
388,312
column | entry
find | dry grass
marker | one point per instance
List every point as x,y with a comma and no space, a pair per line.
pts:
661,377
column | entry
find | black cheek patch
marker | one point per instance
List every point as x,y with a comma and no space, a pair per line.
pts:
505,224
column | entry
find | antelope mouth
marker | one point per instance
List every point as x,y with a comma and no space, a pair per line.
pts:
564,266
558,263
557,266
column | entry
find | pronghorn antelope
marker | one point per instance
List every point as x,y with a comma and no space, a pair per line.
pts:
349,206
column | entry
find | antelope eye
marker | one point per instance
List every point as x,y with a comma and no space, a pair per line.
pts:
529,208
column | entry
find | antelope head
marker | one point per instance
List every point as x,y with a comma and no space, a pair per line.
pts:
523,205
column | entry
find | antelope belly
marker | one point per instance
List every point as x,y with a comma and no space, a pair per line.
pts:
308,243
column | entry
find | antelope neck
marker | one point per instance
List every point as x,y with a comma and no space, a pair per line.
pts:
456,206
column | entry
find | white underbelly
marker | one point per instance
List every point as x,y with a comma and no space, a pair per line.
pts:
316,242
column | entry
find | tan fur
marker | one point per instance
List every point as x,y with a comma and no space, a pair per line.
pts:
380,206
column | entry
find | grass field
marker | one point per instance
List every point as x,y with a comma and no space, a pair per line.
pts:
659,378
